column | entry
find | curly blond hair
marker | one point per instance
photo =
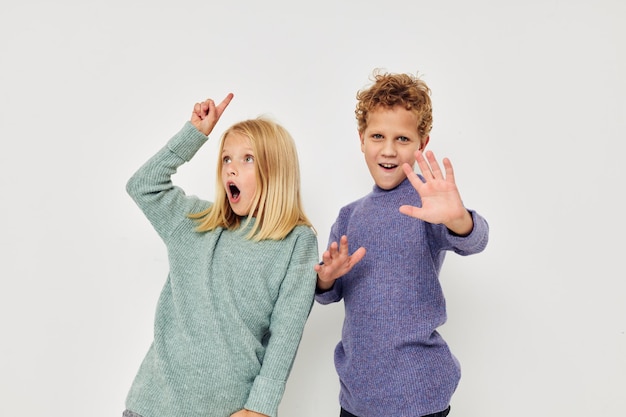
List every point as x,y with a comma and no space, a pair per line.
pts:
389,90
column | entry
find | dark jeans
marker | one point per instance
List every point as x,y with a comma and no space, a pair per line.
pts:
443,413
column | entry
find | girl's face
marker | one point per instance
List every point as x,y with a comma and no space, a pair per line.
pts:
389,140
238,172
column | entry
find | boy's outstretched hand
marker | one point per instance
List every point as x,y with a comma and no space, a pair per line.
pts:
441,201
206,114
336,263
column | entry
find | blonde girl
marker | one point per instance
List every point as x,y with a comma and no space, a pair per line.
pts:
241,281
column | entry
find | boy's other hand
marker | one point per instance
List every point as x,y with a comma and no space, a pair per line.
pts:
336,262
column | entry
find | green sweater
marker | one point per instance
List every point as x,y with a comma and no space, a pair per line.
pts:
231,314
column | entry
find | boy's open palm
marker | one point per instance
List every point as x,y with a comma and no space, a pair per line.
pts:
441,201
206,114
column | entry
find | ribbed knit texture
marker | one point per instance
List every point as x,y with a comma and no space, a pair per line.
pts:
231,313
391,361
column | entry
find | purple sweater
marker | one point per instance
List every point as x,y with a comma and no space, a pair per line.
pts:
391,360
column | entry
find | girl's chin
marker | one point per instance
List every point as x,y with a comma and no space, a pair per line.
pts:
238,211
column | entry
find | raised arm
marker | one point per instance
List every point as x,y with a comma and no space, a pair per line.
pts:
164,204
441,200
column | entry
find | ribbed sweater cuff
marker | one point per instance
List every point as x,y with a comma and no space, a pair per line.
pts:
187,142
265,396
471,239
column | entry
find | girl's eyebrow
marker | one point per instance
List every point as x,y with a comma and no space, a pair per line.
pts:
243,150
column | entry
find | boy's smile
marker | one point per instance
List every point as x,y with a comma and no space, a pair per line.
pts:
390,140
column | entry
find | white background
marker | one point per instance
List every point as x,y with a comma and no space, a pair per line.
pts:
529,104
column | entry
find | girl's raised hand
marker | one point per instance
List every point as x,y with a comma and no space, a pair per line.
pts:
206,114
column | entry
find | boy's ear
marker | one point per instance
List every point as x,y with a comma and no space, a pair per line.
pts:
361,139
424,143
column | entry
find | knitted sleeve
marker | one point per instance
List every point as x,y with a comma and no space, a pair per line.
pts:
289,315
151,187
471,244
338,229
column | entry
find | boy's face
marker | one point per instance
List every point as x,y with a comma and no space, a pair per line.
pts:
389,140
238,172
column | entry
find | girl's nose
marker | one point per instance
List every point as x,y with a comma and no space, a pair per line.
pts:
232,169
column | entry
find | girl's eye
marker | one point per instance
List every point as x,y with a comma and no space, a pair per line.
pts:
249,159
226,160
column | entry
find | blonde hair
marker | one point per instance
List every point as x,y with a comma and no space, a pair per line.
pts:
390,90
277,204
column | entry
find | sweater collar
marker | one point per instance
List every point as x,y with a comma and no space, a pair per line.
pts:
402,187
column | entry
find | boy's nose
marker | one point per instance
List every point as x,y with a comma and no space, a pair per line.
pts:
388,148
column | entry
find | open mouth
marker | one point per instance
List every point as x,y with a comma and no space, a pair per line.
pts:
388,166
234,191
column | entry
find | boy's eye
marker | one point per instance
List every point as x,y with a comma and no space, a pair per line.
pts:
377,136
403,139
